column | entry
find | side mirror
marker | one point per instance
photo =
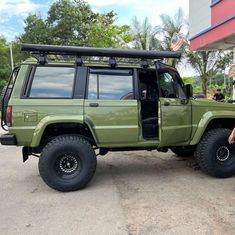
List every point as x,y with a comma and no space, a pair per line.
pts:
188,88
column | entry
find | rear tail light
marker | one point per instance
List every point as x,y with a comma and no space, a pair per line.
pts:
9,116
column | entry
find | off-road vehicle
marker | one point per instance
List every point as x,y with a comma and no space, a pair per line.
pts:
72,103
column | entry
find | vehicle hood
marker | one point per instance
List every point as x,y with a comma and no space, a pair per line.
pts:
211,105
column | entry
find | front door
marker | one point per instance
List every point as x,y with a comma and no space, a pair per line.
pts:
175,109
111,109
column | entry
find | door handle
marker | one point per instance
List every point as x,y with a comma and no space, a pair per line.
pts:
166,103
94,105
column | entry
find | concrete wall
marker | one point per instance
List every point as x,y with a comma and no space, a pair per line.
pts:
199,16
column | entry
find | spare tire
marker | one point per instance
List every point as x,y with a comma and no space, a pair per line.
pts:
7,92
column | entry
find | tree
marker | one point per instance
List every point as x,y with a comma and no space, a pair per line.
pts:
104,33
5,68
171,26
36,31
144,35
69,21
207,64
72,22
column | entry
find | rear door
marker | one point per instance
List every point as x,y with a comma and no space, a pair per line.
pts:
175,109
111,109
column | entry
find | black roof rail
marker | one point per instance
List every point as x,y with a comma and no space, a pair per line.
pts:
100,52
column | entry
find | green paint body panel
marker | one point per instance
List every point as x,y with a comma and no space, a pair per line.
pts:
113,123
204,111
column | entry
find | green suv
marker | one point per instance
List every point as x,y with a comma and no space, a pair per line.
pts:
72,103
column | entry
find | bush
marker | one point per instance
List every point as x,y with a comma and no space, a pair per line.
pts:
2,84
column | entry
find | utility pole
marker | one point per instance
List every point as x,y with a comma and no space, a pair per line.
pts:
11,56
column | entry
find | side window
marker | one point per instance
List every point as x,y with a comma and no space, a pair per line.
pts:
52,82
170,85
110,84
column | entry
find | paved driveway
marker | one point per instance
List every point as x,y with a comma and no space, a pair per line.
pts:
131,193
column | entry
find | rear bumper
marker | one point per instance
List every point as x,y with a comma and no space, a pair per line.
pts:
8,139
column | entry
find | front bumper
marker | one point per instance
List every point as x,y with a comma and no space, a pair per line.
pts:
8,139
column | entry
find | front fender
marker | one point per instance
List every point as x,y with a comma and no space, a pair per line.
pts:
206,119
40,128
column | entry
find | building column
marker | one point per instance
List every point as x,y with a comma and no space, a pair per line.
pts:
234,77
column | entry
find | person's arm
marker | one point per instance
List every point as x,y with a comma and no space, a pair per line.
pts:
231,138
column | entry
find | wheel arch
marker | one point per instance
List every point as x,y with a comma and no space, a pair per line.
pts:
51,127
213,122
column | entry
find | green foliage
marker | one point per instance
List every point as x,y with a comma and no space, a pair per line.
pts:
103,33
194,81
170,26
36,31
208,64
188,80
5,68
69,20
72,22
2,84
144,35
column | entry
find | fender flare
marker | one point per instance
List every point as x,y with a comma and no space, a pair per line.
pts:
205,121
40,128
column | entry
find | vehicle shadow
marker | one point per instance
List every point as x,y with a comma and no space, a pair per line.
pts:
132,166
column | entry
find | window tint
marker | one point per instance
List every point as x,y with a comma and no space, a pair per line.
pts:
110,84
52,82
171,85
168,86
92,95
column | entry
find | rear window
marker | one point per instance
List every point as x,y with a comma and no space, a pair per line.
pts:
52,82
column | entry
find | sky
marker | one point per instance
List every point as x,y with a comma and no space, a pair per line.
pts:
14,12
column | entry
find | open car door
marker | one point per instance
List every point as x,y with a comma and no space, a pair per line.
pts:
175,109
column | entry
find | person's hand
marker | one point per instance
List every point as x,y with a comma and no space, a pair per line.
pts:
231,138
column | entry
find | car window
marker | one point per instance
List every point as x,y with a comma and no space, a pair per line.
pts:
170,86
167,85
110,84
52,82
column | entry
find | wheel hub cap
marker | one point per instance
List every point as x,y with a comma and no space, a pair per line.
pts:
68,164
223,154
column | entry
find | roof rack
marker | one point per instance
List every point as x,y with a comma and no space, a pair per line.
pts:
99,52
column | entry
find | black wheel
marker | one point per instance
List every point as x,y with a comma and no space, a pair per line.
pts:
183,151
215,155
67,163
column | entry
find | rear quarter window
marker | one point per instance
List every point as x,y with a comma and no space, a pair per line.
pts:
52,82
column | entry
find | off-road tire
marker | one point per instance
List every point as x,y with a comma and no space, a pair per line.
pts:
215,156
56,155
183,151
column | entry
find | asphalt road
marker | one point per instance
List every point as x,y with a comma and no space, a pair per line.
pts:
131,193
